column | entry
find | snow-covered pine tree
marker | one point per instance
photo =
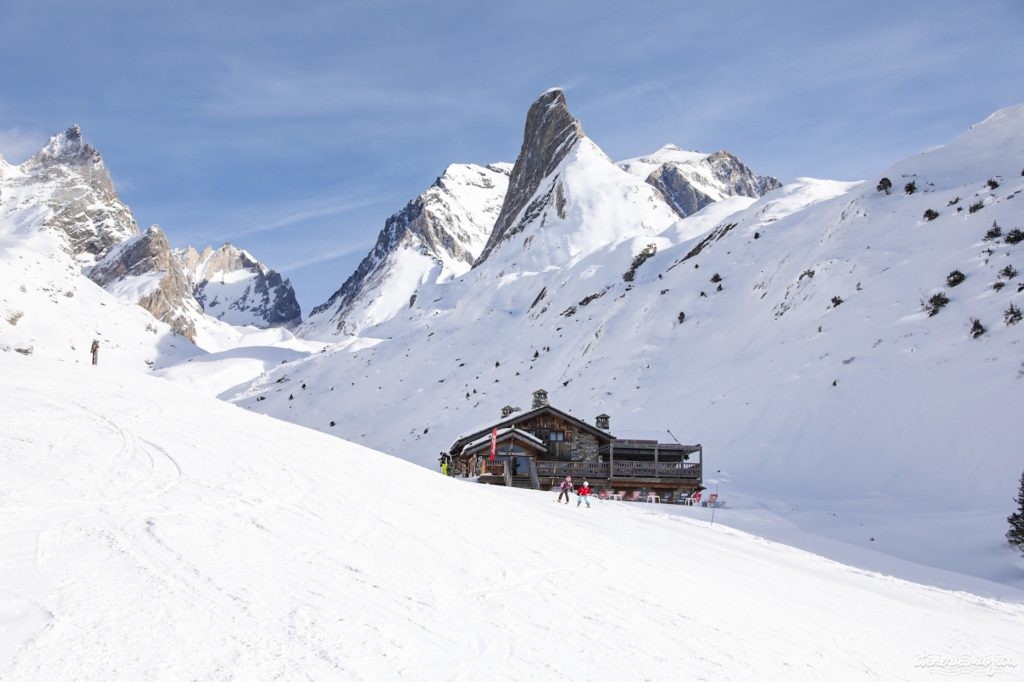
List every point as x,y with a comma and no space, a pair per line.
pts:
1015,535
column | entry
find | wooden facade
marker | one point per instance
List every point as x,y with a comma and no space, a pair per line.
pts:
538,448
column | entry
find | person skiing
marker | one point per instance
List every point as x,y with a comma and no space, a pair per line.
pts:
583,494
95,350
565,489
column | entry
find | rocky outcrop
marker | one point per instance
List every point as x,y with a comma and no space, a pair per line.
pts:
551,132
231,285
143,270
437,236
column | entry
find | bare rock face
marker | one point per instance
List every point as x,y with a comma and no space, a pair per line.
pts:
233,286
551,132
69,177
143,270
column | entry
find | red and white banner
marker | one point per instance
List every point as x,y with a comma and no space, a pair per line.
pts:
494,441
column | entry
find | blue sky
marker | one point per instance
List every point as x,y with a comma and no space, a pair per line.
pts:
294,129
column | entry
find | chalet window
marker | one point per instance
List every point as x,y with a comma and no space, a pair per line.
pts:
556,436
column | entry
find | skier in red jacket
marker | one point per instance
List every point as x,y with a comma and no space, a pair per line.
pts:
583,494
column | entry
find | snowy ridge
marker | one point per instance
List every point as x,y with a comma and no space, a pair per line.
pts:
267,551
436,236
773,336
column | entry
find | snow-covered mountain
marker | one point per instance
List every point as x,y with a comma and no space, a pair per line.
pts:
66,187
232,286
436,236
789,334
691,180
66,190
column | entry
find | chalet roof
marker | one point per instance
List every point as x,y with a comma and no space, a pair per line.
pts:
504,435
514,419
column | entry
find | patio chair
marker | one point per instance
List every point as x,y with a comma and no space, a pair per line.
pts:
667,497
633,496
691,500
653,497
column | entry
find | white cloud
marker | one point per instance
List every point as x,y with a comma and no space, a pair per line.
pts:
17,145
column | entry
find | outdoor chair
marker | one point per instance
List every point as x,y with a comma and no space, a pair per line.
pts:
633,496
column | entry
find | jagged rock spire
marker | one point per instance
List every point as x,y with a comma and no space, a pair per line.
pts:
551,131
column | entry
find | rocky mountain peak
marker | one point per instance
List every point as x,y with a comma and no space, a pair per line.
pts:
550,133
67,148
690,181
232,286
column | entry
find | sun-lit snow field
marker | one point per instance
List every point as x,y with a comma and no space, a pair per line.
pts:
150,533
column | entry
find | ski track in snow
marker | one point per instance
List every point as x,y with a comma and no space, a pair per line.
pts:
149,533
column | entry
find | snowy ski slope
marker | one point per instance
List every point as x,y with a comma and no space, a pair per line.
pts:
149,533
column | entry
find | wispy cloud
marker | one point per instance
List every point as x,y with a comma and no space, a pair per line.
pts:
17,145
291,214
322,256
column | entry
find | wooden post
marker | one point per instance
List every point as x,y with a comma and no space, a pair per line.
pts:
611,461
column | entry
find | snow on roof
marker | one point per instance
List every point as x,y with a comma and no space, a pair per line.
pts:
503,432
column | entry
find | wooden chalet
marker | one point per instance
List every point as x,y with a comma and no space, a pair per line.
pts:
539,447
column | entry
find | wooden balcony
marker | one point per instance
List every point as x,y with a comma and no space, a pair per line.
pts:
623,469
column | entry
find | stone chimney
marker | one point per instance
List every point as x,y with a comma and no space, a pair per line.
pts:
507,411
601,422
540,398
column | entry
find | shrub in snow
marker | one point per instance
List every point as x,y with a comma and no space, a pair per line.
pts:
977,328
936,303
975,207
997,286
1008,272
681,317
954,278
639,260
1012,315
884,185
1015,236
719,288
757,235
716,278
1015,536
992,183
931,215
910,187
954,201
994,232
836,301
14,316
808,273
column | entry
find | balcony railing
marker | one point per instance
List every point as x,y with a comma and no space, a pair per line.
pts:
623,469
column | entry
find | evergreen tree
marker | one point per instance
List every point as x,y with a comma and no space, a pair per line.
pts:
884,185
1016,533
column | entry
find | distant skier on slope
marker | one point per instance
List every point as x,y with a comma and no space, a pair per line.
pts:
565,489
583,494
95,350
